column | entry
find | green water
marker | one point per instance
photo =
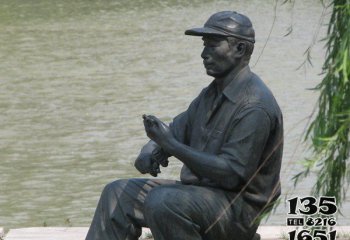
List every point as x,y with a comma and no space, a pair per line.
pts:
76,77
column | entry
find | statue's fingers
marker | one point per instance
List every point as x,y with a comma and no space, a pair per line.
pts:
153,173
164,162
147,124
155,169
155,166
156,121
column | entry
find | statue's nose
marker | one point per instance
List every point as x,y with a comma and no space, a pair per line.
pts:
205,54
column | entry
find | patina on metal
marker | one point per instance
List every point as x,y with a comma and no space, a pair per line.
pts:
230,141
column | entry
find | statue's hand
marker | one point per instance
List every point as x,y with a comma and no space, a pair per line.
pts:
145,162
160,156
158,131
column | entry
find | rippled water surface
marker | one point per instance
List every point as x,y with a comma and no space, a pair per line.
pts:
76,76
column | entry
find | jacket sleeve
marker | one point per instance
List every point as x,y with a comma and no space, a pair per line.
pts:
182,124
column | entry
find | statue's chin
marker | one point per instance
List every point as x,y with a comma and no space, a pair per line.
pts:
213,74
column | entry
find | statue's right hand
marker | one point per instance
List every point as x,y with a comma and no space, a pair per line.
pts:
160,156
145,164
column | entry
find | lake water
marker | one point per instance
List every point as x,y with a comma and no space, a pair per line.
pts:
76,77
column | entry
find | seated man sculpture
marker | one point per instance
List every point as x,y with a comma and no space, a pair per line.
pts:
230,142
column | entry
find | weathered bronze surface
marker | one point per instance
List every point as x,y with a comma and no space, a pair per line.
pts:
230,141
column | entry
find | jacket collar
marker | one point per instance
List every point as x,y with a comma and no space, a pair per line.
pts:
235,88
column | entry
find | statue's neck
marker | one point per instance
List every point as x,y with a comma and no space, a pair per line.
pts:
223,81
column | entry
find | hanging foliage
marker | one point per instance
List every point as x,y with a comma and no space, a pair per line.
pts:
329,131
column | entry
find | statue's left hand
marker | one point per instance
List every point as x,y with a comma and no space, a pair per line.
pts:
158,131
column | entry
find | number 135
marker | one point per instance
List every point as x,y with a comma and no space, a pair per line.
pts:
309,206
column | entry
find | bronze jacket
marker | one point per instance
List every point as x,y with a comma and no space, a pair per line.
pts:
243,125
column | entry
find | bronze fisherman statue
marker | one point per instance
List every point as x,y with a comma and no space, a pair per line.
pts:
230,141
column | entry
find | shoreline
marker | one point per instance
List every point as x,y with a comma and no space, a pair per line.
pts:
79,233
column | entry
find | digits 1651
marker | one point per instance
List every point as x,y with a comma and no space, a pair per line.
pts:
306,235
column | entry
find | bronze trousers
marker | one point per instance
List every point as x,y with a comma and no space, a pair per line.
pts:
170,209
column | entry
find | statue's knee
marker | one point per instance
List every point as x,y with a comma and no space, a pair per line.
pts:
152,200
159,201
114,187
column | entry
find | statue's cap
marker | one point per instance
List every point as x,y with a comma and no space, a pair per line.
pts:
227,24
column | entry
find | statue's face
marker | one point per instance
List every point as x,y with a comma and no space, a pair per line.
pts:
218,56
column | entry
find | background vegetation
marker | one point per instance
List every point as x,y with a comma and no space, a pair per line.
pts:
329,130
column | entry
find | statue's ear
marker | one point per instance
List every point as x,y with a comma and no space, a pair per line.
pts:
241,49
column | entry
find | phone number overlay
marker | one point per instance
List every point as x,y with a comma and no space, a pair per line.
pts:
309,235
311,222
313,213
308,206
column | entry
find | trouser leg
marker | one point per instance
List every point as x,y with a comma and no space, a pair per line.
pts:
120,213
187,212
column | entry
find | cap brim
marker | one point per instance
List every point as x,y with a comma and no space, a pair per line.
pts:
204,31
